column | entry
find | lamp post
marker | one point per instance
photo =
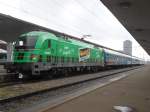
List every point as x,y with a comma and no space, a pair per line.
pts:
85,36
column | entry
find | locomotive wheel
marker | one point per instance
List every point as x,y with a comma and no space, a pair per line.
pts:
55,73
66,72
9,71
49,75
94,69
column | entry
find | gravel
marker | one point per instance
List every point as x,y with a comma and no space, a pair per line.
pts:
28,102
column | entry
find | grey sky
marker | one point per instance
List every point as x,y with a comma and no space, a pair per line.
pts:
75,17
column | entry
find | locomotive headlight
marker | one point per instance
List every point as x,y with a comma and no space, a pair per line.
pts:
33,57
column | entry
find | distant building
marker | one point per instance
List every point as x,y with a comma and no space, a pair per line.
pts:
127,47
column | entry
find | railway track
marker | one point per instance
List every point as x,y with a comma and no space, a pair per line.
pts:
20,91
9,80
16,81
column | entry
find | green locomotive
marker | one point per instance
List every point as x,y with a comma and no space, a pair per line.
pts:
40,52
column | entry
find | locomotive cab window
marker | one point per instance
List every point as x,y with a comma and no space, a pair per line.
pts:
26,42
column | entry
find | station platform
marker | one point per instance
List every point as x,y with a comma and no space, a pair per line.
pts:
132,91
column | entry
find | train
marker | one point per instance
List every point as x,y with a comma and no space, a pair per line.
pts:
3,56
3,52
40,52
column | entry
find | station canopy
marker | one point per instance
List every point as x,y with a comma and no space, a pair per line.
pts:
135,16
11,28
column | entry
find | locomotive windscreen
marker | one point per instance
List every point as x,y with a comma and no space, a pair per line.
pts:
26,42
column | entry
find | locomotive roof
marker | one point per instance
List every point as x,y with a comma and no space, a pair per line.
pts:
57,37
35,33
76,42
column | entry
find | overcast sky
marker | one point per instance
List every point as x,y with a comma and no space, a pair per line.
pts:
75,17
